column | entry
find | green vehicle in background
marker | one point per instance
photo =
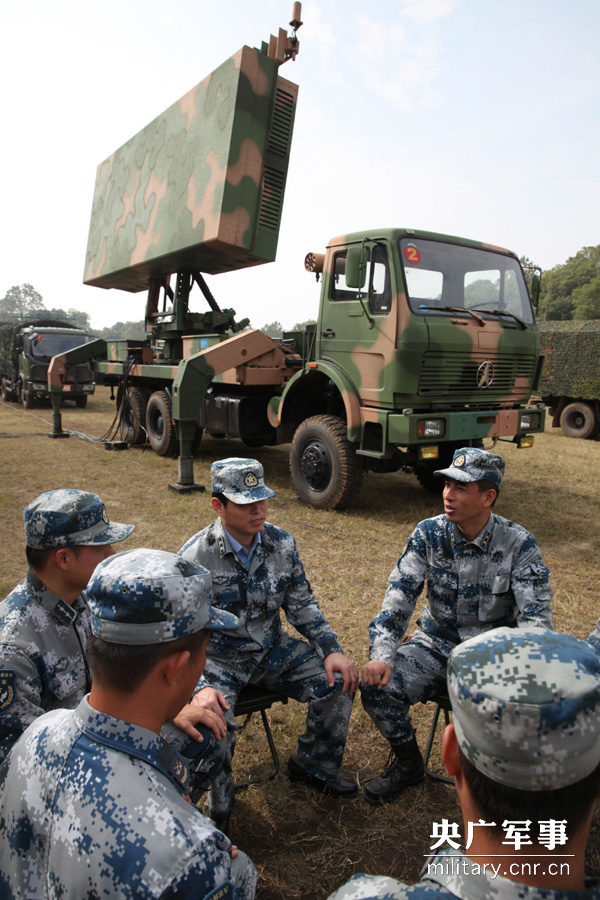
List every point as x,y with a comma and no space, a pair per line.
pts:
423,342
570,384
26,349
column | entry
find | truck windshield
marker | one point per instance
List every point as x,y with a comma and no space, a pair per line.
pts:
46,344
440,276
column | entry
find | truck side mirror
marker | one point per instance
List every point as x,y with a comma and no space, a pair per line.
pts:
356,267
19,342
536,284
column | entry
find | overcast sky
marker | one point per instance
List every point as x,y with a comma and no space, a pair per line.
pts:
471,117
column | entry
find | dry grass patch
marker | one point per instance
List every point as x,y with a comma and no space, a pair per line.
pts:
305,845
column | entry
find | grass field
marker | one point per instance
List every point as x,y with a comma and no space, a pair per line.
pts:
305,845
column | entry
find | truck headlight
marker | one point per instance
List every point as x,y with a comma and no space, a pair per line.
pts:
39,385
529,420
431,428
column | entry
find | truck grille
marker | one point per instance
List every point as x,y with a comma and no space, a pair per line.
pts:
453,375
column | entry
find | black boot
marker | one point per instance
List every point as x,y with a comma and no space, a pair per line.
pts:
405,767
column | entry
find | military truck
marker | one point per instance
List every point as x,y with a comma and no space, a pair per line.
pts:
26,349
423,343
570,383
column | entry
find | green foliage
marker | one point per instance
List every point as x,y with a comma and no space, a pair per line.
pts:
571,290
123,331
20,301
272,329
73,316
301,326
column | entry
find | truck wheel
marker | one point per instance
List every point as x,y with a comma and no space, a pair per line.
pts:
7,394
578,420
323,463
27,399
159,424
81,402
133,417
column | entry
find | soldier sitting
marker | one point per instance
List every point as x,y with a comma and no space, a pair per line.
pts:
524,750
256,572
482,571
93,802
44,621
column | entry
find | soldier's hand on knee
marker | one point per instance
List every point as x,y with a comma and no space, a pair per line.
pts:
337,662
209,698
376,673
191,715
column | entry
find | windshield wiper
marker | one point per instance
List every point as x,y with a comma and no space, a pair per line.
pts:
503,312
458,309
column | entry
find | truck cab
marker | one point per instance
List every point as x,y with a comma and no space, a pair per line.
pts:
424,342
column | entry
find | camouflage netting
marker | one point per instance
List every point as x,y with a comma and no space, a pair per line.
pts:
8,359
572,353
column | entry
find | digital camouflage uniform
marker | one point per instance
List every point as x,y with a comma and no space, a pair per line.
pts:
496,579
42,654
594,637
526,713
259,651
91,805
472,586
43,639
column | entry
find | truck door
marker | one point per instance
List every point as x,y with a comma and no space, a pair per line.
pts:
359,335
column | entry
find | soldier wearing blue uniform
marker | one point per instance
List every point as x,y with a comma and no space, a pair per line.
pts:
482,571
93,801
44,621
524,750
256,572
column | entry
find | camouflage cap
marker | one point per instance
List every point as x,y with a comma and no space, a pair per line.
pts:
151,596
70,518
473,464
240,480
526,706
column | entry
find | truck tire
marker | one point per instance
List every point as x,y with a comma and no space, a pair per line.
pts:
27,399
133,417
159,424
7,395
323,463
81,402
578,420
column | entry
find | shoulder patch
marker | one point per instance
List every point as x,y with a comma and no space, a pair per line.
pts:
8,688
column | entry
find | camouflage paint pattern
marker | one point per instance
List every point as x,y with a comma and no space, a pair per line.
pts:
403,358
201,187
571,352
